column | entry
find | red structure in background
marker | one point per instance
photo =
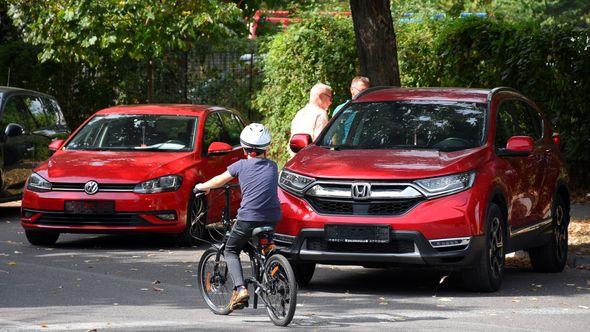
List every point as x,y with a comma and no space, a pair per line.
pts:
279,17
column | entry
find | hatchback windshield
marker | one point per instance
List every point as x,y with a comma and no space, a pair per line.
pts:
136,132
445,126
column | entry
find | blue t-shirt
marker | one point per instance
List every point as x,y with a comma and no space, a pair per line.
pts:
259,180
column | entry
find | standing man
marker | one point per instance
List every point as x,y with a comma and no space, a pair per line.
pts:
313,117
358,84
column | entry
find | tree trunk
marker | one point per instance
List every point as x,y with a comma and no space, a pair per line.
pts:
375,41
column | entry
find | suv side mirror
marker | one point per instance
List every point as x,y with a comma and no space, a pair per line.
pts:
13,129
299,141
517,146
217,148
56,144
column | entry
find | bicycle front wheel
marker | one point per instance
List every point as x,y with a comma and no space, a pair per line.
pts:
214,282
281,290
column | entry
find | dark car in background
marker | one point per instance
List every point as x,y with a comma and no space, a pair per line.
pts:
29,121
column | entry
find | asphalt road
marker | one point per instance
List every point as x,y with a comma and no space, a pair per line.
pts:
106,282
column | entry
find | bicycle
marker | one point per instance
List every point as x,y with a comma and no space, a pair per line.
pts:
272,275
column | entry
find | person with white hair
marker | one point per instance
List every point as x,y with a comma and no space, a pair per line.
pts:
312,118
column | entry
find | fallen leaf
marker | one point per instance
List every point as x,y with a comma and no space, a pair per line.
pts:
516,301
383,303
17,252
115,303
151,255
443,279
158,289
189,285
135,256
445,299
144,289
43,326
92,330
133,269
11,263
583,307
156,282
534,299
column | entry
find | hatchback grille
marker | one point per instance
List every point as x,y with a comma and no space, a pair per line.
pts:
62,186
349,207
393,247
117,219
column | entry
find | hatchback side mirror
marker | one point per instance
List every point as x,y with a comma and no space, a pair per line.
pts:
13,129
217,148
299,141
56,144
517,146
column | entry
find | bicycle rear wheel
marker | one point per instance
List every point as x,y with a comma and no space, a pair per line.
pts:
214,282
281,294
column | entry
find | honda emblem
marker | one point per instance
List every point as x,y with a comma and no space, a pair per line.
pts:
361,190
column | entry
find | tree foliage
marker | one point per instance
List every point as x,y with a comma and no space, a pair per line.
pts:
95,31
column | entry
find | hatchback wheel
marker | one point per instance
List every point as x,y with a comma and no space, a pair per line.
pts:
487,275
552,256
194,231
41,238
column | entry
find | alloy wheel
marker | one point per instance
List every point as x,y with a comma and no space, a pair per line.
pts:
496,248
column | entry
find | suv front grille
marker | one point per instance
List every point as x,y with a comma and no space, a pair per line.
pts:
349,207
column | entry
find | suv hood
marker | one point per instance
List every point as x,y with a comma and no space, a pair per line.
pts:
408,164
113,166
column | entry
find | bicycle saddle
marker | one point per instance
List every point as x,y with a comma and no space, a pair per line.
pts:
264,229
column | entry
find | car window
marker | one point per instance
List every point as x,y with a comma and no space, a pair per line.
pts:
15,111
439,125
233,127
527,124
136,132
53,114
214,131
504,124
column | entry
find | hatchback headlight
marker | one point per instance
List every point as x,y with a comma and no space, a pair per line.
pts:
161,184
293,182
445,185
37,183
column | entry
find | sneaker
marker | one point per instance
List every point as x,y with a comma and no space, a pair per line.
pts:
239,298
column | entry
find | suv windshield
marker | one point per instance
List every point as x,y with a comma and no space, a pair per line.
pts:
439,125
136,132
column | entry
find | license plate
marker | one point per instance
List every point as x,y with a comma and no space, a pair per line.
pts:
90,207
357,234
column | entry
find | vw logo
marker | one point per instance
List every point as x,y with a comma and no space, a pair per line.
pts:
361,190
91,187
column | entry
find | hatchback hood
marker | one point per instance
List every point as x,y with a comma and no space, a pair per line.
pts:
113,167
408,164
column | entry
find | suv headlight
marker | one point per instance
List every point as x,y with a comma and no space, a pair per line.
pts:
294,182
161,184
37,183
445,185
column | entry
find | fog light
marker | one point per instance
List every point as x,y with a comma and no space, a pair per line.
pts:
442,243
28,214
167,216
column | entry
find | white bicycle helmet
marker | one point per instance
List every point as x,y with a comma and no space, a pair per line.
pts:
255,136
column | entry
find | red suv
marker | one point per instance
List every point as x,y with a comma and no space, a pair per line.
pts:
131,169
448,178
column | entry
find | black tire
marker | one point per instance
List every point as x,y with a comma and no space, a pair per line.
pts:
194,233
552,256
41,238
303,272
487,275
215,284
281,295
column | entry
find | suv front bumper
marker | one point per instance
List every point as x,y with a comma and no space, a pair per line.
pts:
406,248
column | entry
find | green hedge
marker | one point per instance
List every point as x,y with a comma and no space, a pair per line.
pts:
319,50
548,63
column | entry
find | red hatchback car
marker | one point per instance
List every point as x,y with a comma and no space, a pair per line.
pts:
132,169
448,178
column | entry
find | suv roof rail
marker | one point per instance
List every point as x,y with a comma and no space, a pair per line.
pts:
371,89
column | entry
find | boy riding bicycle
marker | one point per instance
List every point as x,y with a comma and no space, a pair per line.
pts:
258,177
